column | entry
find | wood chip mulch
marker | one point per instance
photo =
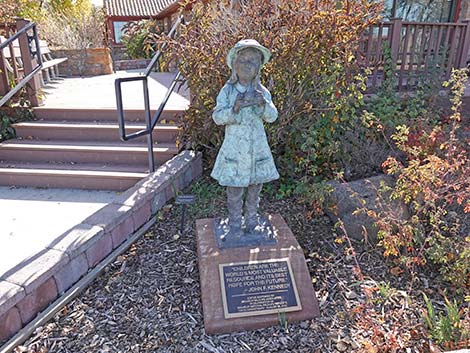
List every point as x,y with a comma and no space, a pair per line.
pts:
149,300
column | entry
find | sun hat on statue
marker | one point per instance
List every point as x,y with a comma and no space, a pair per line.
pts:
247,43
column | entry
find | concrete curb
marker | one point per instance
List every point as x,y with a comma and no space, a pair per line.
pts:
32,288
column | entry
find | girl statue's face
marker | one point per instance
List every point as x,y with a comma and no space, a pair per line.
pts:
247,65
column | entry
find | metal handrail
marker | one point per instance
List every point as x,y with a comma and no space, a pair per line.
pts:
37,53
150,121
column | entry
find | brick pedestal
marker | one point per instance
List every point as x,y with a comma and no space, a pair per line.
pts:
210,256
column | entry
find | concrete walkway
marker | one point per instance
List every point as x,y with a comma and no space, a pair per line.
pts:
55,263
98,92
49,238
32,219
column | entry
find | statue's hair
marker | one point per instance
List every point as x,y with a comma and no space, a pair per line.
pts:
257,81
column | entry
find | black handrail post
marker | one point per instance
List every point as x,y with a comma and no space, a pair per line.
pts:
159,112
37,46
150,121
149,127
120,109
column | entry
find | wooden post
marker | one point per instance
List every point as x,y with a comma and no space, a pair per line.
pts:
29,64
465,54
4,86
395,38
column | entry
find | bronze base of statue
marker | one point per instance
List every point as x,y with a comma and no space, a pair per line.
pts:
255,234
251,287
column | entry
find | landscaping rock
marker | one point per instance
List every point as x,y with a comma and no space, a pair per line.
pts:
346,198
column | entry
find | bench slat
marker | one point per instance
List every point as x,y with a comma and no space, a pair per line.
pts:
49,63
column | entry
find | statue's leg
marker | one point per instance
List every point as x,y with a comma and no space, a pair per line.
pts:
234,205
251,206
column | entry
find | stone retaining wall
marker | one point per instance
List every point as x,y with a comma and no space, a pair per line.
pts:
58,267
84,62
131,64
118,52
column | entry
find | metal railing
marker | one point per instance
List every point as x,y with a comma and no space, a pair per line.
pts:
151,122
417,49
10,89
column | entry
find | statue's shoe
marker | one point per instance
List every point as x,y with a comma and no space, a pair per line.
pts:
253,227
234,232
258,226
254,230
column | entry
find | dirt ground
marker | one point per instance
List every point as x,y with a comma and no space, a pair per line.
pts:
148,300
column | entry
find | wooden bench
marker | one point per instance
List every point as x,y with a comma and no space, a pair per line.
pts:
50,65
9,55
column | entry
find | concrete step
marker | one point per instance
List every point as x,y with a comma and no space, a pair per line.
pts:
82,176
101,114
76,131
64,151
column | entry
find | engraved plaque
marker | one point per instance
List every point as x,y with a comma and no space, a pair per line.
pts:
258,288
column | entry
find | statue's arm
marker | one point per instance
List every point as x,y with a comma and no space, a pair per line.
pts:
270,111
223,113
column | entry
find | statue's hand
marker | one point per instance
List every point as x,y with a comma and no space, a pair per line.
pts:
239,103
258,98
248,100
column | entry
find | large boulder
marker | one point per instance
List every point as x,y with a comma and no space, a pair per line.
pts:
347,198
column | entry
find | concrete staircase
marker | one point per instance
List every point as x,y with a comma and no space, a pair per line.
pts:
80,148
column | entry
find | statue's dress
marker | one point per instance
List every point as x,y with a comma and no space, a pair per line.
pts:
245,157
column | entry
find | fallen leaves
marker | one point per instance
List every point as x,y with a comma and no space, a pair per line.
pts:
148,300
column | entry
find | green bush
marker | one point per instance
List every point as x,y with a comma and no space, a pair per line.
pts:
434,183
6,130
139,38
446,329
313,75
390,108
16,112
366,139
